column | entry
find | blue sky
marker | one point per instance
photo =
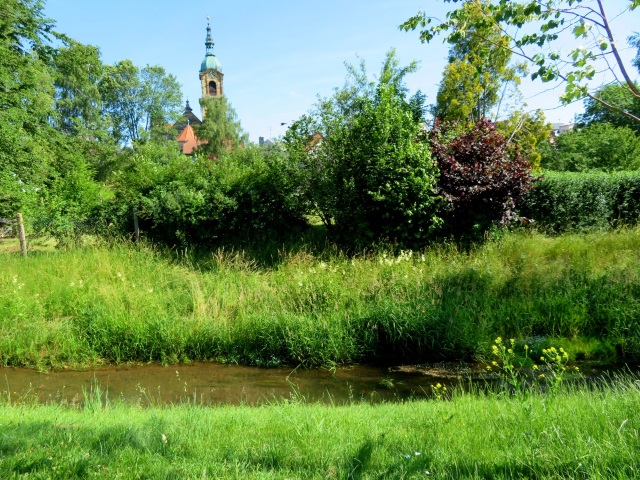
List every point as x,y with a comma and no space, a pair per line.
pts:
278,56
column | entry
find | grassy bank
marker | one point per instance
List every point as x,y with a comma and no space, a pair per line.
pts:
131,303
579,433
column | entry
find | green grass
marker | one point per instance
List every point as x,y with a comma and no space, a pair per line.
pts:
123,303
580,433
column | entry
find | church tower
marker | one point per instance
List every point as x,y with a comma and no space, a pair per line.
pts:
211,76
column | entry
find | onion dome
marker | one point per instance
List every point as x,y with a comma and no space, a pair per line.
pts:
210,61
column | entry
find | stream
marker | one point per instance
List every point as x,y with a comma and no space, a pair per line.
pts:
217,384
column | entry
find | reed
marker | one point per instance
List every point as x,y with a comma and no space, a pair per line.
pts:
124,303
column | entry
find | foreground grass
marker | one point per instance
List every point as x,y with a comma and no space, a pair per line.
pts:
579,433
131,303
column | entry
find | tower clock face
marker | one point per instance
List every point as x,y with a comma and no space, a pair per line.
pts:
212,75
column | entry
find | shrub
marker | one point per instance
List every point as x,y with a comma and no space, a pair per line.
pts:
362,167
183,201
481,177
565,201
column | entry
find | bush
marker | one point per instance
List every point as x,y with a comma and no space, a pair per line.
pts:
362,166
565,201
183,201
481,177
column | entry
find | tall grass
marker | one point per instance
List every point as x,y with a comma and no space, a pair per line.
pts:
578,433
132,303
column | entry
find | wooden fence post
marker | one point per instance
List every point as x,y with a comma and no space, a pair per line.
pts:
136,227
21,235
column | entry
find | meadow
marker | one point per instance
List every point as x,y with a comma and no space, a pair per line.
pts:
116,303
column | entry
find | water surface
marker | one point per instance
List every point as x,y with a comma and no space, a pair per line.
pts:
213,383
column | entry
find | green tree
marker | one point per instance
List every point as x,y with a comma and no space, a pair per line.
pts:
526,132
597,147
137,100
77,73
613,94
478,70
586,19
26,98
220,130
361,163
161,97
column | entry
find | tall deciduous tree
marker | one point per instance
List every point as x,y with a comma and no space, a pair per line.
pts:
137,100
77,73
526,132
586,19
26,91
599,146
613,94
221,130
478,70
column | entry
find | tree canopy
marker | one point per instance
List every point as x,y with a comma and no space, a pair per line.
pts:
478,73
587,20
597,147
612,94
137,100
220,130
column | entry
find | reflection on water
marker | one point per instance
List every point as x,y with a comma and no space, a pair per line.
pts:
211,383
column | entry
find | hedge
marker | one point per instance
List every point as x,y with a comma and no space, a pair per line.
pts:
569,201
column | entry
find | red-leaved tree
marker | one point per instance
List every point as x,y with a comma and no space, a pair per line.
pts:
481,177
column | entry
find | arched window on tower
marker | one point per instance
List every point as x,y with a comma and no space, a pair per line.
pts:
213,89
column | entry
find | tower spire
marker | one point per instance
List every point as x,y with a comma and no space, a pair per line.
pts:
209,41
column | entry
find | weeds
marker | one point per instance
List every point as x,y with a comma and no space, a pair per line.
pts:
122,303
519,373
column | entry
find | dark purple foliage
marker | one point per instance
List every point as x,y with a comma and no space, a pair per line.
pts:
481,178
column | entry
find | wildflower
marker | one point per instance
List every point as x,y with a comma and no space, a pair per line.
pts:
407,456
150,290
417,454
164,438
